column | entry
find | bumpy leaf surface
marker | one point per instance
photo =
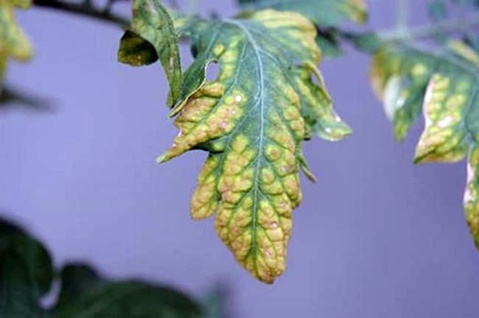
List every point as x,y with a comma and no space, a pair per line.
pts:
152,36
13,42
444,84
252,120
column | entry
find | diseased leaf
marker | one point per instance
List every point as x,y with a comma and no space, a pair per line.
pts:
153,25
13,42
321,12
252,120
444,84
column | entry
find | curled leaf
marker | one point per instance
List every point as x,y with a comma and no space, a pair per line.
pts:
152,27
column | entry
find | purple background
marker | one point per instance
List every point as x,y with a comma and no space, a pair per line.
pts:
375,237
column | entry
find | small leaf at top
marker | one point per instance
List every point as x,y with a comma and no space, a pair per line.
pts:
444,84
321,12
153,24
252,119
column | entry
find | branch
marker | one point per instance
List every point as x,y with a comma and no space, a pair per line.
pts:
402,14
431,30
83,9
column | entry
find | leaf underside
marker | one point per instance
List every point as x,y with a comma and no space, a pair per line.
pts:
444,85
151,37
252,120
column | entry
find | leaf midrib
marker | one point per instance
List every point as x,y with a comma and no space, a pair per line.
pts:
260,101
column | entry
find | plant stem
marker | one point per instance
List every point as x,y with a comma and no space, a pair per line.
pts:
83,9
431,30
402,14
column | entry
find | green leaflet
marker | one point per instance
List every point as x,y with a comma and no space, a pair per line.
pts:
444,84
153,27
324,13
321,12
252,120
27,274
13,42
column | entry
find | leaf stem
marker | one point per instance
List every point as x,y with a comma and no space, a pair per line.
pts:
431,30
174,4
83,9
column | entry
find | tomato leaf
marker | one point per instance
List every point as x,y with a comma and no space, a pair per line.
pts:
444,84
267,99
152,27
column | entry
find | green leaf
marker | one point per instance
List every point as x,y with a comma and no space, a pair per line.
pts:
8,231
444,84
127,300
153,25
321,12
26,274
329,43
77,280
13,42
252,120
216,302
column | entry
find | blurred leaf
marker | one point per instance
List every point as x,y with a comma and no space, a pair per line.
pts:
216,303
437,9
153,24
77,280
368,42
328,42
8,231
128,300
252,120
444,84
26,274
10,97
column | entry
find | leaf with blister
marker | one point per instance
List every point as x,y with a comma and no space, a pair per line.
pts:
252,120
152,27
444,84
13,42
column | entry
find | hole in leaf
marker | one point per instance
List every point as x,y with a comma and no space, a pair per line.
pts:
212,72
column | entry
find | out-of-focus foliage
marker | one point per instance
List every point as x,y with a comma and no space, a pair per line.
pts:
27,274
443,83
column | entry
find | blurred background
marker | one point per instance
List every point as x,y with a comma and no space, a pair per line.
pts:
375,237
